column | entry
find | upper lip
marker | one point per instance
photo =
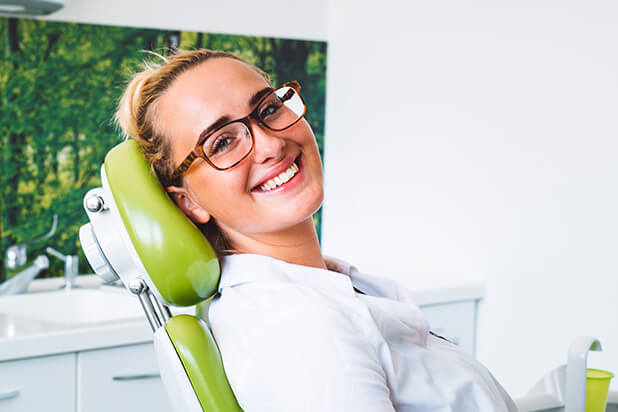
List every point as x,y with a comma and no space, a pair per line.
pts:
275,171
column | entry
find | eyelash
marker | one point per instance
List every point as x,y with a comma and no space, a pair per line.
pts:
276,105
215,145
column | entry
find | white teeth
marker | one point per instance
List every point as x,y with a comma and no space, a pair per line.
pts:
281,179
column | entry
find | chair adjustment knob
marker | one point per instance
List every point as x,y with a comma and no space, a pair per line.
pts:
94,203
137,286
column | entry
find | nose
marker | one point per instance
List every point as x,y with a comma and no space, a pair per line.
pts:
268,146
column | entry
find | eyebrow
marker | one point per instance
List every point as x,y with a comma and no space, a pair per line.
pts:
255,98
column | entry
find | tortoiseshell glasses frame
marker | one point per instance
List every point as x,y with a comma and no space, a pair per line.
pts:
282,94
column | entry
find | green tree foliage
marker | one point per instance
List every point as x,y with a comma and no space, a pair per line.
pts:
59,84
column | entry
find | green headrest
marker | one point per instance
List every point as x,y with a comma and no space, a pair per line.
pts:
179,260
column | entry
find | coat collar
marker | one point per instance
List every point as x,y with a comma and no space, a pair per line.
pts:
246,268
340,276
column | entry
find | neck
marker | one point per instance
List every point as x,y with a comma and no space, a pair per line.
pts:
297,244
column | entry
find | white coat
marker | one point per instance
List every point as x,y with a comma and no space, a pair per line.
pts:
296,338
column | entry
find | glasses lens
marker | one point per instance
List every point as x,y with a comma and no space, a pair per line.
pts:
282,108
228,145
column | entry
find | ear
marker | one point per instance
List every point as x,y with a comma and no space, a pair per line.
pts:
185,203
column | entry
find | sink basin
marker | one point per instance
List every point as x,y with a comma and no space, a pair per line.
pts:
74,307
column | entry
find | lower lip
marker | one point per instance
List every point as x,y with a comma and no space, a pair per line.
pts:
290,184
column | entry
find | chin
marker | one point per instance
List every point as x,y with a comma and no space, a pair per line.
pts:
311,204
299,211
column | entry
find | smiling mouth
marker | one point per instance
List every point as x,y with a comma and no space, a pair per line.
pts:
280,179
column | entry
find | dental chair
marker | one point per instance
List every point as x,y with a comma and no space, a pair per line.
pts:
136,234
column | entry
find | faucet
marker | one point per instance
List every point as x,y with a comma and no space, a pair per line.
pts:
16,257
19,283
71,266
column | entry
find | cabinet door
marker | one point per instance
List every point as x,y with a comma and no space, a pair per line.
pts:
455,321
38,384
120,379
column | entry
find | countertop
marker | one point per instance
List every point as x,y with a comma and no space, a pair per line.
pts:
24,338
434,289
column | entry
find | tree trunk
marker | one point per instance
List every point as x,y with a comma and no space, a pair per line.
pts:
75,155
295,53
150,42
13,34
53,39
274,51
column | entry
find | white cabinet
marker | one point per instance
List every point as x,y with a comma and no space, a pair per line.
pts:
455,321
120,379
38,384
117,379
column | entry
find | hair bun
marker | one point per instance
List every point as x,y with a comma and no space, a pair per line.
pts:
128,107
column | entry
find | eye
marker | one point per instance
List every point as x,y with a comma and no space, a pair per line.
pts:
220,144
270,108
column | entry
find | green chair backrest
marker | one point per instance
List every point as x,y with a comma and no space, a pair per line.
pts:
179,260
180,263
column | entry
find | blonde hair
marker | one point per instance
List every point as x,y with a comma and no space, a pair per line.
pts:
136,117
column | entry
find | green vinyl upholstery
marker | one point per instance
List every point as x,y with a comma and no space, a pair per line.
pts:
211,385
180,263
178,259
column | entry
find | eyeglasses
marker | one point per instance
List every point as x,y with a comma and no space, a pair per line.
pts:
229,144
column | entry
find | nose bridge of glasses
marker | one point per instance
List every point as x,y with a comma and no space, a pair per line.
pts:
266,142
253,123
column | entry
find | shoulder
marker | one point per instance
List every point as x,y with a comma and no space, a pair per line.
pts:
252,285
312,307
264,304
270,304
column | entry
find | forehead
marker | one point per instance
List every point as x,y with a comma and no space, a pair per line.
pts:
217,78
202,94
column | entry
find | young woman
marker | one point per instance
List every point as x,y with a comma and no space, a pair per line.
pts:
297,331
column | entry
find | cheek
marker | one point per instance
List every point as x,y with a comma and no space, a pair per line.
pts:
312,152
305,132
216,191
304,137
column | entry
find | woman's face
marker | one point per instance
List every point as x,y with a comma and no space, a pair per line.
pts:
236,198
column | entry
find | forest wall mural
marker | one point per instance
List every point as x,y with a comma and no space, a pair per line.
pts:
59,84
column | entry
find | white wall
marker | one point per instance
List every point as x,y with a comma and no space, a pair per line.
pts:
274,18
476,138
479,138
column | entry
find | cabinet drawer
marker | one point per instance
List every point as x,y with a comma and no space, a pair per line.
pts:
120,379
38,384
455,321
